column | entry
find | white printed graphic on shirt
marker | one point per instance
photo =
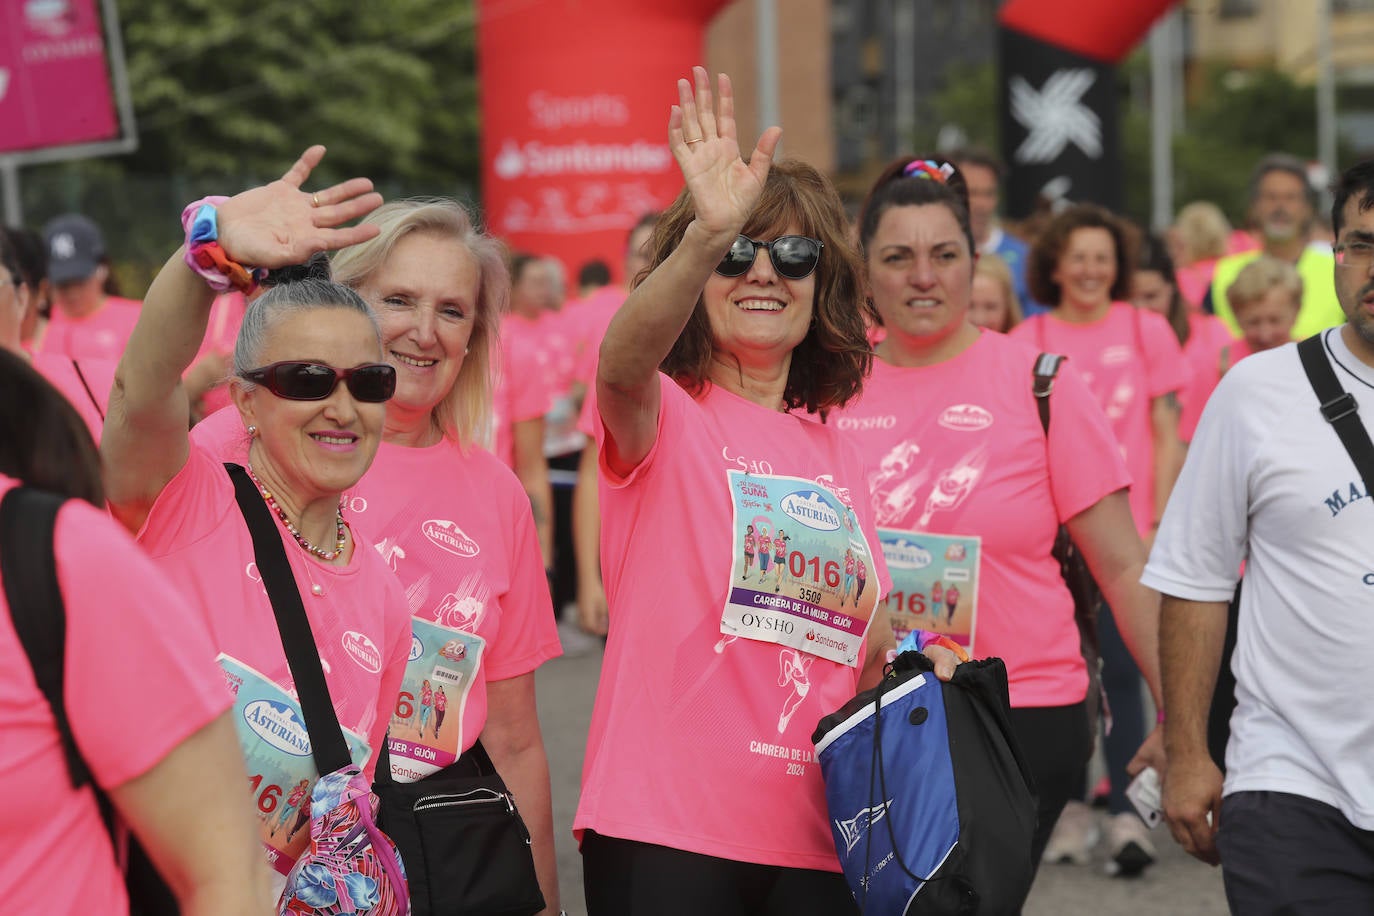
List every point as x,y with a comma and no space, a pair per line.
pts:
463,608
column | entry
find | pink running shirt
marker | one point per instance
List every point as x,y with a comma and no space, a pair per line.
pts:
1210,350
698,741
594,315
1128,358
226,316
457,532
86,383
141,678
99,336
522,390
976,411
196,534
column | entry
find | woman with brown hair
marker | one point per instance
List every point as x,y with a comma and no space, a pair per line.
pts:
699,792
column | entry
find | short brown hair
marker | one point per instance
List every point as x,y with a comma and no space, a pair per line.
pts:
1049,248
1257,278
829,365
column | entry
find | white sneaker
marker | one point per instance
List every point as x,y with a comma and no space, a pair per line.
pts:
1129,848
1074,837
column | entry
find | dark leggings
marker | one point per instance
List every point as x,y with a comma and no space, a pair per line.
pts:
1057,744
1125,692
628,878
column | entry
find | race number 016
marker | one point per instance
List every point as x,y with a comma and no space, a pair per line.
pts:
797,564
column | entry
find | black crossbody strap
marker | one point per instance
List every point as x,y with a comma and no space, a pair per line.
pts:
1338,407
28,519
1045,371
326,736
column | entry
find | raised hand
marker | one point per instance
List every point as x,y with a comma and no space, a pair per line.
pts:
723,186
279,224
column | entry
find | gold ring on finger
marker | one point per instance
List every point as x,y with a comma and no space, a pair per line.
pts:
695,140
315,200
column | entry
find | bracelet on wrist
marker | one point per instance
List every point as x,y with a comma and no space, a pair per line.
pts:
206,257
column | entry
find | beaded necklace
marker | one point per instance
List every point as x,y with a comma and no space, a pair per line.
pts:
341,538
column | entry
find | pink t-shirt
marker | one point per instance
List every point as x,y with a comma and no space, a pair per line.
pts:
197,536
458,533
522,389
1128,358
1209,350
1195,280
140,679
976,412
699,742
226,316
594,315
86,383
99,336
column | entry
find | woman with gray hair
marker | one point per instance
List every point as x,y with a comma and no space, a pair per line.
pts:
311,387
449,517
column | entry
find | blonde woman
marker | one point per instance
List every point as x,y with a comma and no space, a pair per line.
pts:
1200,235
993,303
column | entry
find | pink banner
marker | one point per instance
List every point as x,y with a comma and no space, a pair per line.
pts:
54,84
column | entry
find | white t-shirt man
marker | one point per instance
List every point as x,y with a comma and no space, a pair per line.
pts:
1268,484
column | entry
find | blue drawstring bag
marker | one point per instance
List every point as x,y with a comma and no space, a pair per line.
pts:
931,803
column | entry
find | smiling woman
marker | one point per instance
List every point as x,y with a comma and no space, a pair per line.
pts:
310,390
748,329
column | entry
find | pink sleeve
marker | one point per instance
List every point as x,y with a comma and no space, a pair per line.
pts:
1085,462
141,673
529,635
672,405
190,506
1165,366
529,393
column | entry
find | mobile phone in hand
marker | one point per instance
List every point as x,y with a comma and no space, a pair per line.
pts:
1144,793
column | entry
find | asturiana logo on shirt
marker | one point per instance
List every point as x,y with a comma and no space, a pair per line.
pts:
965,418
363,651
450,537
811,510
906,555
278,725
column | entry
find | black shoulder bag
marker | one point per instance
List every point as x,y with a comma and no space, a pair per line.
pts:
28,519
1087,598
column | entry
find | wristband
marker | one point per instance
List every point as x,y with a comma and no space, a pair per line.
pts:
204,254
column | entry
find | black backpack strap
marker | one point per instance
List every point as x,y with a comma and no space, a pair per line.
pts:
302,655
1045,371
28,520
1338,406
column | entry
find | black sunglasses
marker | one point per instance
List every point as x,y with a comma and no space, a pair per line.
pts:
302,381
794,257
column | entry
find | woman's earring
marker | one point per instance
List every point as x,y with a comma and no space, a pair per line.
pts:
465,350
252,432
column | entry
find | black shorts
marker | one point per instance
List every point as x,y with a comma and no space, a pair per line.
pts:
628,878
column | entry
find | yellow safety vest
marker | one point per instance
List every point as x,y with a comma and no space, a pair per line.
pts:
1320,307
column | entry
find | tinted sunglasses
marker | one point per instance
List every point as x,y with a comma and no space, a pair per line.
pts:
794,257
302,381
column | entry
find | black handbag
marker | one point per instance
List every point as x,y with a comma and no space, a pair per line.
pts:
465,846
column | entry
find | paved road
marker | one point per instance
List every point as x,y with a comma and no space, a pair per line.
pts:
1176,885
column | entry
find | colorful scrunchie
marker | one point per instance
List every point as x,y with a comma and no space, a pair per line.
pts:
204,254
929,169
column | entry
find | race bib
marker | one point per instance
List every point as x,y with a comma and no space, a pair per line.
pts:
808,583
281,770
934,583
426,731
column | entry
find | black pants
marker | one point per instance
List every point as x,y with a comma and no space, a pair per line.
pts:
564,470
627,878
1057,744
1286,855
